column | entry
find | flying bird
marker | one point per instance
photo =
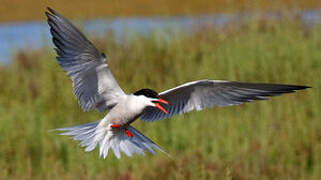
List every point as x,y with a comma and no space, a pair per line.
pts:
96,89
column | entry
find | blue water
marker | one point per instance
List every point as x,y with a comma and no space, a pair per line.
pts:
34,35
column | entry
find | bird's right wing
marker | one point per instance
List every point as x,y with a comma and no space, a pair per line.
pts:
198,95
93,83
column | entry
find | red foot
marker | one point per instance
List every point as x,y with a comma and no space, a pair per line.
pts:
115,126
128,133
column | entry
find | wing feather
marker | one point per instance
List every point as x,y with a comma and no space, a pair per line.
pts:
198,95
93,83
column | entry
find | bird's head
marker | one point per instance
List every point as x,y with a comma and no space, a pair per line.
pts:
153,98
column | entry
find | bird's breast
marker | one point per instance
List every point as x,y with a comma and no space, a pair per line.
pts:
125,113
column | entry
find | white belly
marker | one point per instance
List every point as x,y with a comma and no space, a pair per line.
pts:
126,111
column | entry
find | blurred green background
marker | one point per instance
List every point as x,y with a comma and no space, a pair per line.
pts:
275,139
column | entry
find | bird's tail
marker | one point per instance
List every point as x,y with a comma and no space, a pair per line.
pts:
127,140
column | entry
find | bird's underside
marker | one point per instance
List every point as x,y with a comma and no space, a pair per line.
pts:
95,87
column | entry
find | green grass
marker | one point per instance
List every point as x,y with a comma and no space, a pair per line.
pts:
275,139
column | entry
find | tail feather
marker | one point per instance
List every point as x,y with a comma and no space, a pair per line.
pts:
147,143
96,133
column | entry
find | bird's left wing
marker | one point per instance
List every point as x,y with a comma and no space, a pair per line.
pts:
198,95
93,83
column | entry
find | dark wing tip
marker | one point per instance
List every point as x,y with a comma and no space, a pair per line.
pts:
51,11
305,87
296,87
50,14
280,89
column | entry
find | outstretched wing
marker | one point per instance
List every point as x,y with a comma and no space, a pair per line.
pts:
93,83
198,95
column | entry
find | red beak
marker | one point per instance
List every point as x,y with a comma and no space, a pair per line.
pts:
162,101
159,106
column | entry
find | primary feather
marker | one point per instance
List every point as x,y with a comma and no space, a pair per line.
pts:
93,83
201,94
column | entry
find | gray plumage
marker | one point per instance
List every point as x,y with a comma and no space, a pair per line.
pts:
93,83
110,139
95,88
201,94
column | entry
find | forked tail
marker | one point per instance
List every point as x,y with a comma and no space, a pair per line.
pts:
117,139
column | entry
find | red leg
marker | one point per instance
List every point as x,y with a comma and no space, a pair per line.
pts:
115,126
128,133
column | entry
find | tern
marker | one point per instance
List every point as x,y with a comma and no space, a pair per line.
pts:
95,88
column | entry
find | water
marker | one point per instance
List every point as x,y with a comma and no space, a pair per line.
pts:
34,35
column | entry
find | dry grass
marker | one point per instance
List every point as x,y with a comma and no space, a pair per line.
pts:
17,10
